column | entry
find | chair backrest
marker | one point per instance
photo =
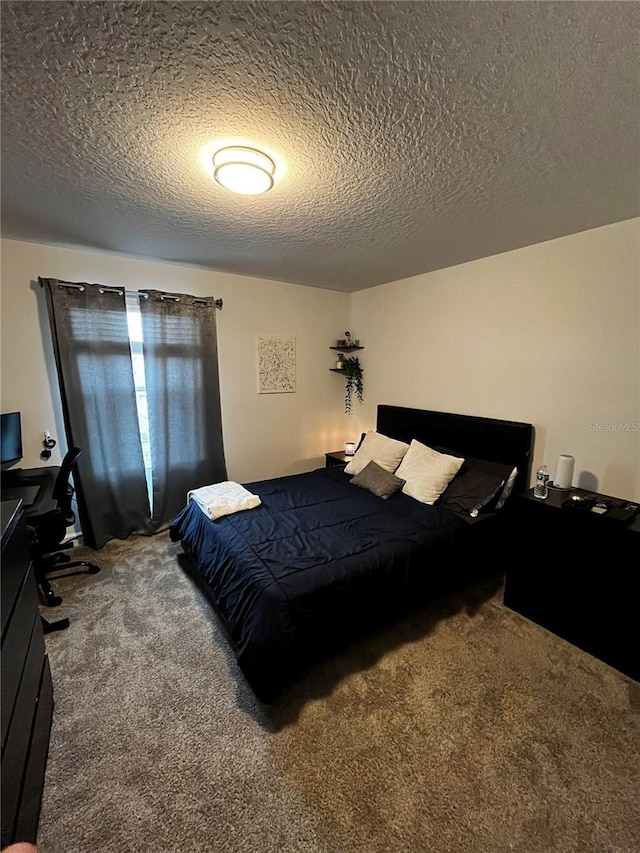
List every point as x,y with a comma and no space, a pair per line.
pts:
61,490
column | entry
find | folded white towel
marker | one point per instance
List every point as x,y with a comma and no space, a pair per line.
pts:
222,499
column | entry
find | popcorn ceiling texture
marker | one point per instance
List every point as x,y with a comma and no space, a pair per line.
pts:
409,136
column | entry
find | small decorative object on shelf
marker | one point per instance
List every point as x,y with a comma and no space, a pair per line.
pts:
340,362
541,489
347,344
350,448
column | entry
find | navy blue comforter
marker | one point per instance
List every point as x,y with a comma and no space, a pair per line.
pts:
316,563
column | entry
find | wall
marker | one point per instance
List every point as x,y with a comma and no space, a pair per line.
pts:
265,435
548,334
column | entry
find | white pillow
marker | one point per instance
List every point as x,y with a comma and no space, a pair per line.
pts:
507,489
375,447
427,472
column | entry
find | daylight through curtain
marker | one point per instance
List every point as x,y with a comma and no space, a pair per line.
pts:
180,351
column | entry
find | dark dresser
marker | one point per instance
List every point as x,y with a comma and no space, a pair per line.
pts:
577,574
27,692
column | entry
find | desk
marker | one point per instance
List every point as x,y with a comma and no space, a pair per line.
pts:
45,477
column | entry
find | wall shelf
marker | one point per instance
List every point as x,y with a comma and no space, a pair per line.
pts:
345,349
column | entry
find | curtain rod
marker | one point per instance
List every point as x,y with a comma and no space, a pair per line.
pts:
172,297
169,296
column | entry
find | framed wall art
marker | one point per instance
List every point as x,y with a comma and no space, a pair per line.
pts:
276,357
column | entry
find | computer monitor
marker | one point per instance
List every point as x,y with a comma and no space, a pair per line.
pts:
10,438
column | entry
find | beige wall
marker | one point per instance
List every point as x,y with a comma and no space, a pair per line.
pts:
548,334
265,435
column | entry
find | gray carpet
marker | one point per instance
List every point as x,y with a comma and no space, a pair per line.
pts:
464,728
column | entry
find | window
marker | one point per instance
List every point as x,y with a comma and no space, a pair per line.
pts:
134,322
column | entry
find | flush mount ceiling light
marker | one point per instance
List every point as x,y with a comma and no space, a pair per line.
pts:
243,170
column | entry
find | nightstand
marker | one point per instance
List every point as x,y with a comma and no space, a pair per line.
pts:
575,573
336,459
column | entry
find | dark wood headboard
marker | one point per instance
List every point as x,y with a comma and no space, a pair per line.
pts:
485,438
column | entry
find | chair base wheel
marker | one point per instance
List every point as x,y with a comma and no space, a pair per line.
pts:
60,625
52,600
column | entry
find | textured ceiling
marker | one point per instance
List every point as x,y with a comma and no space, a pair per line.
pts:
409,136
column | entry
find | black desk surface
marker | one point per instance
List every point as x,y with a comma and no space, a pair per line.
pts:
9,518
45,477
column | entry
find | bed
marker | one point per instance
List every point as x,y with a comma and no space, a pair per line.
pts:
321,561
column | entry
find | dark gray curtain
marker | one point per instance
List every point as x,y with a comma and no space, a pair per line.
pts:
93,360
180,350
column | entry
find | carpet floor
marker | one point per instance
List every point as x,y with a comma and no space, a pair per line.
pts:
463,728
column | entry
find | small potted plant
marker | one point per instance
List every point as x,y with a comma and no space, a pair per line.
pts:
353,372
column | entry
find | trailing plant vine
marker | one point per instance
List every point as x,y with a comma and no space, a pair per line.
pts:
353,373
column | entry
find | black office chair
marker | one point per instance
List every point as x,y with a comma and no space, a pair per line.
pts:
49,530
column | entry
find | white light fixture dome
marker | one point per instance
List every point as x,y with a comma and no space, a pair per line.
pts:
243,170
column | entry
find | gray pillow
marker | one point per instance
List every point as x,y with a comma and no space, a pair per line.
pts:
377,480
